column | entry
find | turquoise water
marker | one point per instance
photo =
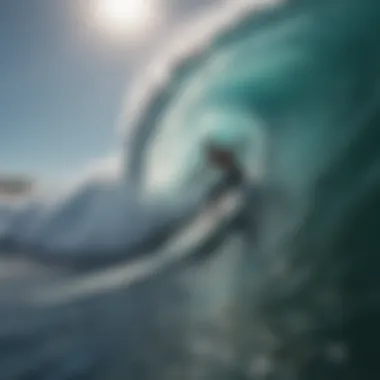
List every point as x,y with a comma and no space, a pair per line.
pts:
294,93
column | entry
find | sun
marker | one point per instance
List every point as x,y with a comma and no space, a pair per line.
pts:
126,17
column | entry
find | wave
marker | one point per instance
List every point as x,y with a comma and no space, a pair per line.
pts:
286,290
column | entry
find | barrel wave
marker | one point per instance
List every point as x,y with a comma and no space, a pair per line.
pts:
277,281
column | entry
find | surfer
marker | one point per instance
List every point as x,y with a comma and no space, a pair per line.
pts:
225,160
234,178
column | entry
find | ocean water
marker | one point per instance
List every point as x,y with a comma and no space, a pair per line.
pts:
282,285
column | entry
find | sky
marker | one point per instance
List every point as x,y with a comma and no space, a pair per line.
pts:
63,82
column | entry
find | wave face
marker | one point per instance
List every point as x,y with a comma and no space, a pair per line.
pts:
291,291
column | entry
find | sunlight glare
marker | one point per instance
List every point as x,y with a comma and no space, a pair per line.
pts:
126,17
